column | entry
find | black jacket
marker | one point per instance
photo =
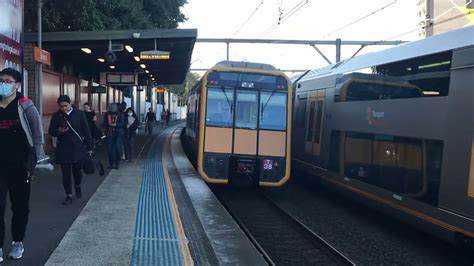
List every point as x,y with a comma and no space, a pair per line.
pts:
132,130
70,148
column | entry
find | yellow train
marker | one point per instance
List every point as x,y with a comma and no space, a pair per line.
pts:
239,124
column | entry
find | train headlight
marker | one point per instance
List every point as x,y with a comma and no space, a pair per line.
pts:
246,84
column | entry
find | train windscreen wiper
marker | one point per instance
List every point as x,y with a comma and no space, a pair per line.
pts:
227,98
265,105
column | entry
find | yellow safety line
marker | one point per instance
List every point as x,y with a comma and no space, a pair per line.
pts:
185,253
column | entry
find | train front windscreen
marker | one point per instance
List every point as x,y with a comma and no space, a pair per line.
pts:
246,100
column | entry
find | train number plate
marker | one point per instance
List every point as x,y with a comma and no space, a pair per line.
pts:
267,164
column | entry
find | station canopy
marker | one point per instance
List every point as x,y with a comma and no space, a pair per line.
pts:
166,53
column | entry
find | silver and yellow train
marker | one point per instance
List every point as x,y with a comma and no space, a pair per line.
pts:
396,128
239,124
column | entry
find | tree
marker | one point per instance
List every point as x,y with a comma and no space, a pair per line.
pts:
95,15
182,89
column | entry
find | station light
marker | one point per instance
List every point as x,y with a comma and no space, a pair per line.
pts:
137,58
143,66
147,71
431,92
86,50
112,67
152,78
102,60
129,48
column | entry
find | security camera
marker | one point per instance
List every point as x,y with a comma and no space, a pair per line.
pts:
136,35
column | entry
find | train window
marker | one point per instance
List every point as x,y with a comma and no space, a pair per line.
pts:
310,127
407,166
426,76
246,110
366,91
219,107
319,119
272,110
300,118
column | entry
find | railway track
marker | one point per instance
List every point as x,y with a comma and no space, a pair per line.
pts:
281,237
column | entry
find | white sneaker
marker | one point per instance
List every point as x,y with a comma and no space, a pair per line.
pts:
17,251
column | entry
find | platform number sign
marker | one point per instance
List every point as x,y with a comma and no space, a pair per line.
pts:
267,164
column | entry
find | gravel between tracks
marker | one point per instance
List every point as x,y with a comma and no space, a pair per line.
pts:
365,236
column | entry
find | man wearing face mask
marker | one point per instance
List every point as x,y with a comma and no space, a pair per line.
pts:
21,139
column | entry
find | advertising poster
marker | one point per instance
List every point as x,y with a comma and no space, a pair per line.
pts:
11,27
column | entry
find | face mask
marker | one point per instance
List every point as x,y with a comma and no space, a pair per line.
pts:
6,89
130,113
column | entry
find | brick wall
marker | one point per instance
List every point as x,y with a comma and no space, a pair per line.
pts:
29,64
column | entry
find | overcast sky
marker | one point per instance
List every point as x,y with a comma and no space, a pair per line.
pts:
313,20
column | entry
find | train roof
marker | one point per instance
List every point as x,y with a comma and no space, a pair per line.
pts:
241,64
443,42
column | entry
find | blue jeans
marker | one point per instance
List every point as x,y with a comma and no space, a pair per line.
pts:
114,149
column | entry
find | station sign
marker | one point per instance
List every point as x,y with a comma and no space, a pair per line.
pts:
118,78
155,55
161,89
42,56
98,89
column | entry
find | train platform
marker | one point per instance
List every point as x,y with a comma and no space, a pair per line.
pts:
155,211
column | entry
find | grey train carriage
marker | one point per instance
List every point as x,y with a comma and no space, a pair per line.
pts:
396,129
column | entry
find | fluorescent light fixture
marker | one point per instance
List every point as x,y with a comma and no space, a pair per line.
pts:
112,67
86,50
129,48
137,58
431,92
102,60
435,64
147,71
142,65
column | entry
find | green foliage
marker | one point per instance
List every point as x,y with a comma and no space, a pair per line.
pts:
182,89
95,15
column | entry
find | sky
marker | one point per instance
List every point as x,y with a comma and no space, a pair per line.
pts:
372,20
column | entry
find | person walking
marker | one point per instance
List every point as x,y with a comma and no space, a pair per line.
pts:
71,128
21,139
163,117
130,133
91,121
168,116
114,125
150,119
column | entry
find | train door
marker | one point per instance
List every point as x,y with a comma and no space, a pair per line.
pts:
315,122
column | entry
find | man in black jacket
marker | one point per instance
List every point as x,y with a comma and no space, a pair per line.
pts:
21,140
70,126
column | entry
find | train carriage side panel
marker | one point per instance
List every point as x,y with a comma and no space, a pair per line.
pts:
456,180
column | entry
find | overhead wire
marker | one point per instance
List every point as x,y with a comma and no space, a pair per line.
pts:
359,19
432,24
283,17
249,17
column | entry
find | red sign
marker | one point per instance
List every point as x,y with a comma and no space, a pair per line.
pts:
11,28
42,56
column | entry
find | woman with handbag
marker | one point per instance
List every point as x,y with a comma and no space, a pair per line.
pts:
74,142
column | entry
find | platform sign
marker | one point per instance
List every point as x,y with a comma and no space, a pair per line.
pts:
155,55
42,56
118,78
11,28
